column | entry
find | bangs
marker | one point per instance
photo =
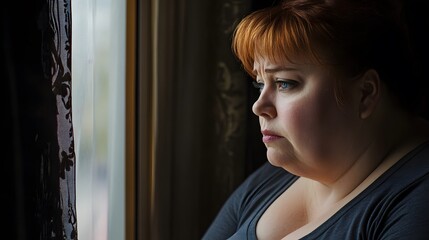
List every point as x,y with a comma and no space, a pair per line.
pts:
274,34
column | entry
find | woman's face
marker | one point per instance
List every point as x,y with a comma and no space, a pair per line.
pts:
305,129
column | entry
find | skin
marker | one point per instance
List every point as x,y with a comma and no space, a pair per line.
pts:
337,149
305,130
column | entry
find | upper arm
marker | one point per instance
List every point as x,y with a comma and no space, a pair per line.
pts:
226,221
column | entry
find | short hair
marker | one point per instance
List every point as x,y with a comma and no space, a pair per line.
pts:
352,35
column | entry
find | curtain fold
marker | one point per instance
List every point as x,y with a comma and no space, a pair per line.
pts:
191,115
56,61
36,47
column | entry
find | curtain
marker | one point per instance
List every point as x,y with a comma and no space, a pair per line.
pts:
40,167
192,115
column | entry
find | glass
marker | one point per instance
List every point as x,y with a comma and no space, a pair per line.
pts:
98,94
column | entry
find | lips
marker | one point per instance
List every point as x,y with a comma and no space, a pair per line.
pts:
269,136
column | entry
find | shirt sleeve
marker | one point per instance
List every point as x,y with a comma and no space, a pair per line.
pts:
246,201
410,218
226,222
229,218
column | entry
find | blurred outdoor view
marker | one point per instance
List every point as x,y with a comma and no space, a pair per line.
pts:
98,87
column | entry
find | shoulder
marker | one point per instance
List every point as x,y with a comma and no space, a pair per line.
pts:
407,182
413,167
408,217
395,206
260,189
247,200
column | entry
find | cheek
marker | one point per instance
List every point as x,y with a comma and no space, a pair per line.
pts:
309,123
303,116
295,118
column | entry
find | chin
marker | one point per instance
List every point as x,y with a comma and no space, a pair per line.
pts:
277,160
282,159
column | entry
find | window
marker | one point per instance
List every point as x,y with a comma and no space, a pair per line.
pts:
98,93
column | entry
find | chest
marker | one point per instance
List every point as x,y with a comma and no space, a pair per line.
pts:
293,215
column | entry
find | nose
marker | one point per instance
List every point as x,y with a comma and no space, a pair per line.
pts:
264,106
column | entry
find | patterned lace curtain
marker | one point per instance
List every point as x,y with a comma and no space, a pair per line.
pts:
40,167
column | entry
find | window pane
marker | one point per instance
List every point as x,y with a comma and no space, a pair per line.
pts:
98,82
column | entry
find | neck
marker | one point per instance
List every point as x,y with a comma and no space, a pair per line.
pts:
385,147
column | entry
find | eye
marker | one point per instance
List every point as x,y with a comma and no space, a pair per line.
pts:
258,85
285,84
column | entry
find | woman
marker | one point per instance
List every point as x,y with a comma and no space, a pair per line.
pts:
340,109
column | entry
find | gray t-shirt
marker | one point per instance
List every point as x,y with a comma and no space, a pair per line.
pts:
395,206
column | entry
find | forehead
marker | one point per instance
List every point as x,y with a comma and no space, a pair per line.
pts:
305,67
265,64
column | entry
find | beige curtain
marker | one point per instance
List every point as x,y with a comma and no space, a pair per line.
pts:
192,110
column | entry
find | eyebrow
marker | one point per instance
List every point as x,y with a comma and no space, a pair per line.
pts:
276,69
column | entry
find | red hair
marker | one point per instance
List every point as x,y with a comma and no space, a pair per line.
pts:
278,33
352,36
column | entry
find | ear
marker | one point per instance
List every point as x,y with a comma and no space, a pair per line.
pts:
369,84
